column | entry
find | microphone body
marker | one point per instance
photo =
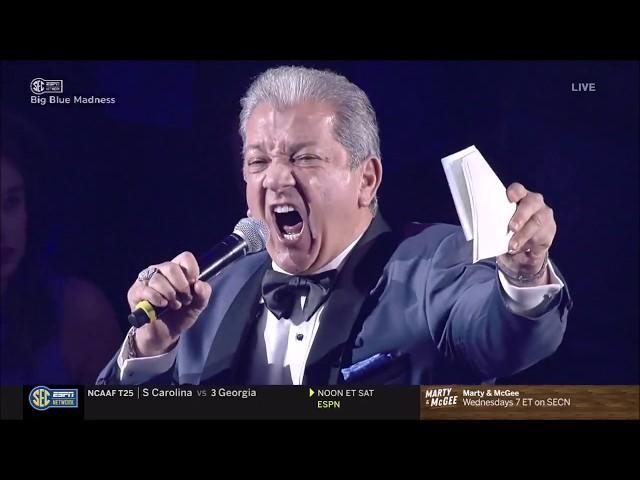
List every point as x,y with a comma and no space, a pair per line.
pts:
224,253
249,236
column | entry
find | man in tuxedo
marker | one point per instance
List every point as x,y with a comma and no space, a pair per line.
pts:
337,297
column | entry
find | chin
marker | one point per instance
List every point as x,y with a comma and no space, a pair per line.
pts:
292,262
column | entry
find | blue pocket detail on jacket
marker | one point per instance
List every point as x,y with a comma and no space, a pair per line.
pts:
359,369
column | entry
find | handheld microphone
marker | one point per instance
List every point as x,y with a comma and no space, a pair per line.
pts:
249,236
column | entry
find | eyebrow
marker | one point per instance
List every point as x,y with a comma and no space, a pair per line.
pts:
292,148
255,146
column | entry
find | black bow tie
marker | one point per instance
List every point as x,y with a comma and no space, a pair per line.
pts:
282,292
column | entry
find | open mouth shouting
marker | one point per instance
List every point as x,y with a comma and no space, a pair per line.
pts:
291,243
290,223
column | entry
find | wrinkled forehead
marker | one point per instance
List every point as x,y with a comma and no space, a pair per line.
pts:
272,128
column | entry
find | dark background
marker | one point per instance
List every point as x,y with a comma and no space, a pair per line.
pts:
158,173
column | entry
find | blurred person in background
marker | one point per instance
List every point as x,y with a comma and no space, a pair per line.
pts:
54,328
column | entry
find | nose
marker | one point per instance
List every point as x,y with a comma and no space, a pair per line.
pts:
279,176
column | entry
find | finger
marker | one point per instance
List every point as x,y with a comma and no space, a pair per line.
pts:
516,192
189,265
152,296
162,285
139,292
177,278
527,207
201,295
536,234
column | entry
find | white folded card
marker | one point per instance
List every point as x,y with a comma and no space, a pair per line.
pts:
481,202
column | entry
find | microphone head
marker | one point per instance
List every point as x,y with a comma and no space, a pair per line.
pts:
254,232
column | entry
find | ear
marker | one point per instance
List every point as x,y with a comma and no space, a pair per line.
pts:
371,178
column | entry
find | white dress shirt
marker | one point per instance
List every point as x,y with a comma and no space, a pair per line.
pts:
287,345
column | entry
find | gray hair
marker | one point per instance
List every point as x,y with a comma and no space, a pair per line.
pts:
355,127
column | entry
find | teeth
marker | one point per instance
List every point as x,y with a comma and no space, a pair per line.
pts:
283,209
291,236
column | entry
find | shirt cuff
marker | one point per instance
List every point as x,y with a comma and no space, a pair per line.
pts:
522,300
134,371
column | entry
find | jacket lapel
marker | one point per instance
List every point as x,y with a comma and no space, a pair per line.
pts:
347,304
229,345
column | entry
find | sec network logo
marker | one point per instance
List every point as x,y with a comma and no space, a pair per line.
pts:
40,85
42,398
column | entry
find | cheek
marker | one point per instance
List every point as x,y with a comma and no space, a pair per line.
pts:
254,193
335,194
15,228
252,190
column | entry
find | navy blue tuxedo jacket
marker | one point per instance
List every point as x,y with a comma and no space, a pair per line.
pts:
405,309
